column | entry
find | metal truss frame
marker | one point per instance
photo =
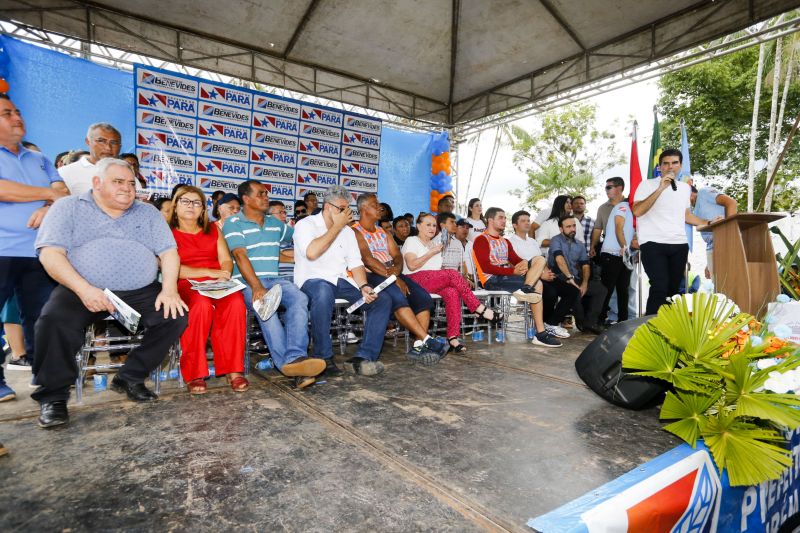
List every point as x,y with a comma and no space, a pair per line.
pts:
765,31
83,30
120,40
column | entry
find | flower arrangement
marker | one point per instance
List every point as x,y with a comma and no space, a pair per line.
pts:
731,380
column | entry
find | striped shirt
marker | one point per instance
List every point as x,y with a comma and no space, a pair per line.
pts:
262,243
378,242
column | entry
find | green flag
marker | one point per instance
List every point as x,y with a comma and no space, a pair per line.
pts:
655,149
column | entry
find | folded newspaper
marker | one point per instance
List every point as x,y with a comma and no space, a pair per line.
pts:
217,288
124,313
268,304
383,284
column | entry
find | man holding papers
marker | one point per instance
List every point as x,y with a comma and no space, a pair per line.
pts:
325,250
104,239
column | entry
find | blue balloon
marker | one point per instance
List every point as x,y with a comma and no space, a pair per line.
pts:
440,143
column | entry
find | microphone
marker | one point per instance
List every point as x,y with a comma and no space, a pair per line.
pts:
672,181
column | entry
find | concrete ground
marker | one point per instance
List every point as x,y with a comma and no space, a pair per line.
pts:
482,441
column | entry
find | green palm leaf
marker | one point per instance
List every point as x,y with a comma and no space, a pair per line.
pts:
768,406
696,333
745,450
648,352
690,411
651,356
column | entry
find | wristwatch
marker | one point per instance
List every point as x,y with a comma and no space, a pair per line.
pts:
570,278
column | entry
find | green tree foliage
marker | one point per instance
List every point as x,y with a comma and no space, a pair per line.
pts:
565,155
715,98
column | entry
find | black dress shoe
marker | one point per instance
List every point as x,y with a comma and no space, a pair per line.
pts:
331,370
53,414
136,391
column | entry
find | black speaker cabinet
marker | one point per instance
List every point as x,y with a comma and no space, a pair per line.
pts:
600,367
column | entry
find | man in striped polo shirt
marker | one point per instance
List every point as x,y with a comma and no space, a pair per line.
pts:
254,239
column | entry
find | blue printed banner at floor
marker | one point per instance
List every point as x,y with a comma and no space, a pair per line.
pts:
215,136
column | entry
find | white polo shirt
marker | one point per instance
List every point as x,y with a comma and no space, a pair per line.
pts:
342,255
665,221
78,175
526,248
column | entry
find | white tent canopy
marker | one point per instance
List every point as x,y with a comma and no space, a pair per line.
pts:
445,62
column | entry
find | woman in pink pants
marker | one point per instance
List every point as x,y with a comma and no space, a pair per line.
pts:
422,257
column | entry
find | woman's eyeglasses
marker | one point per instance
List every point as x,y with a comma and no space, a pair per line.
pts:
185,202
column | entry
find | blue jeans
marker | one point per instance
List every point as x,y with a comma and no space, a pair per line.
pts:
504,283
322,299
289,342
26,278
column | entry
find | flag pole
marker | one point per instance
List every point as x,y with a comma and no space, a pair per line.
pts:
639,259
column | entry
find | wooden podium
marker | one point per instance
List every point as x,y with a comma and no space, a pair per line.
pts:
744,262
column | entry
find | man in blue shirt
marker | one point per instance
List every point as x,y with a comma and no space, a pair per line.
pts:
104,239
567,257
712,205
254,239
29,183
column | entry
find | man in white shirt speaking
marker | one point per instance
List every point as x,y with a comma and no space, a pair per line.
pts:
662,207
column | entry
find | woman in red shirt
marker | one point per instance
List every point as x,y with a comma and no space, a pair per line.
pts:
204,255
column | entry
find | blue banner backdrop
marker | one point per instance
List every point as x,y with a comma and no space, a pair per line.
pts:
60,95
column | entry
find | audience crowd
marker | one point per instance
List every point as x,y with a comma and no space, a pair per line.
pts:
78,233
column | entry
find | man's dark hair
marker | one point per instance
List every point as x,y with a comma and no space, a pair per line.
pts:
409,217
397,220
580,196
515,216
302,204
29,145
216,195
670,152
561,219
442,218
616,181
443,199
76,155
128,154
158,202
694,189
276,203
492,212
245,188
309,193
59,156
4,96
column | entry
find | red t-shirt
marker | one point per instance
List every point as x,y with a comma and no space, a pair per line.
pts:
198,250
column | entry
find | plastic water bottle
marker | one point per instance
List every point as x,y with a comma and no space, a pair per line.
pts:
211,371
100,381
265,364
500,336
531,333
173,374
477,336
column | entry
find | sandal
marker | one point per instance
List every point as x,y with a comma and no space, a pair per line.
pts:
197,386
239,384
496,319
455,348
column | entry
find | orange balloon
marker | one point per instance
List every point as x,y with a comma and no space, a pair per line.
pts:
4,87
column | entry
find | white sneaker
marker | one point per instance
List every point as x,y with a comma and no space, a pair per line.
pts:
351,338
266,306
556,331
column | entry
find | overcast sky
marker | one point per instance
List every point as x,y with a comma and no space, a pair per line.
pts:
616,106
